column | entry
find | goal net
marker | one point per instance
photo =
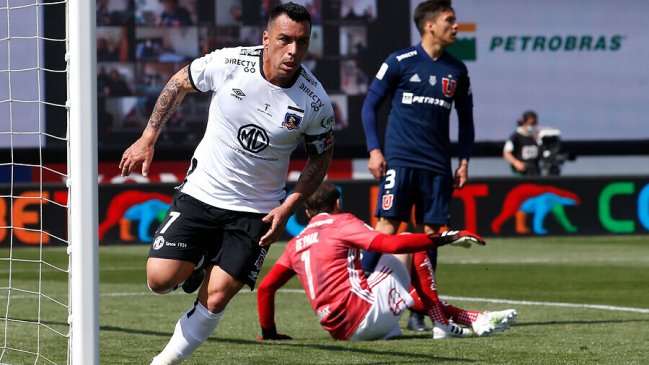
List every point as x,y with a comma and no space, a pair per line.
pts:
48,183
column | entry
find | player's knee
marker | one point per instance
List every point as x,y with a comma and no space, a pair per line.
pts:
160,287
216,303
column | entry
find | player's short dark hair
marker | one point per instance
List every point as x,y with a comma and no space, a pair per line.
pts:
323,200
429,10
295,12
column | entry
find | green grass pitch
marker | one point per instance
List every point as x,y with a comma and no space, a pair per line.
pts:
581,300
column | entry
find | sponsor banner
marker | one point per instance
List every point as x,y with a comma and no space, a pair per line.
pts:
130,213
169,172
581,66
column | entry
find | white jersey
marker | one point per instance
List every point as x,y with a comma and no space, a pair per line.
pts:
253,126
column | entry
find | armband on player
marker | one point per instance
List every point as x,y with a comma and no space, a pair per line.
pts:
319,144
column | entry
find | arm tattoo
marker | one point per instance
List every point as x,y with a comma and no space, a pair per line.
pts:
314,172
168,101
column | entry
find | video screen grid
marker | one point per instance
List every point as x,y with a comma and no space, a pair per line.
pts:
142,43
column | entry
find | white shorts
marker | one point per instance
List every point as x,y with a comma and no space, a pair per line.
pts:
390,284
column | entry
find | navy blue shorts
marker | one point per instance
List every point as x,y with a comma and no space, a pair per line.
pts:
228,239
403,187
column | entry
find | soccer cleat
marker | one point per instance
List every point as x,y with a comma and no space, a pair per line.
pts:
194,280
450,330
488,323
416,322
457,238
165,358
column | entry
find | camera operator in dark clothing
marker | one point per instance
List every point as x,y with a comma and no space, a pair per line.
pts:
521,150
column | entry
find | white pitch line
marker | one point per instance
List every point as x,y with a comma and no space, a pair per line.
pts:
466,299
551,304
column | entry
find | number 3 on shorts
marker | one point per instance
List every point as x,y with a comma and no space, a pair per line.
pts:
172,217
389,179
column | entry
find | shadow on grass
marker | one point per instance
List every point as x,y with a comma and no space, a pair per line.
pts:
299,344
344,349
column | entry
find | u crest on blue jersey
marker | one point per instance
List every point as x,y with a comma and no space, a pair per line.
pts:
448,87
386,202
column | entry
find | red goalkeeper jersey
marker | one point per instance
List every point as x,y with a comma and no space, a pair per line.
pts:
326,258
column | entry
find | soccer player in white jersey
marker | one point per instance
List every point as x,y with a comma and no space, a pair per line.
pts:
227,212
325,256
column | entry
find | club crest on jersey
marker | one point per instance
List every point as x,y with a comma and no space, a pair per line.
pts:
432,80
396,303
448,87
158,243
260,260
291,121
386,202
293,118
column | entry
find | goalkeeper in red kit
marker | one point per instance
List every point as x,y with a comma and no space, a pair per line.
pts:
326,259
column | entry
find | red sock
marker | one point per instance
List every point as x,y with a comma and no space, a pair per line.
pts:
459,315
423,280
419,306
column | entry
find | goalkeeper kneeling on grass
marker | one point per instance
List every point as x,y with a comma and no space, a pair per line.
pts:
326,259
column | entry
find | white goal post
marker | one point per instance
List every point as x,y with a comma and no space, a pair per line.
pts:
82,172
49,254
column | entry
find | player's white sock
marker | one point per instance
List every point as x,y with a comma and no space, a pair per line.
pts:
192,329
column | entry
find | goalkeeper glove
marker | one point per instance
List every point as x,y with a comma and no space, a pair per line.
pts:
457,238
271,334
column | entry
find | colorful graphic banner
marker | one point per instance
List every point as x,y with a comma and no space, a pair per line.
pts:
130,213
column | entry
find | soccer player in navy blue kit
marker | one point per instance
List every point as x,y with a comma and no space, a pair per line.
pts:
415,163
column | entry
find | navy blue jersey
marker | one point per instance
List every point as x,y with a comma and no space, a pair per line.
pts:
423,92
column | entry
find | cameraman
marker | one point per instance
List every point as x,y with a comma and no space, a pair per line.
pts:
521,150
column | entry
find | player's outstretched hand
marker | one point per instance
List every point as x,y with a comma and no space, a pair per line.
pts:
457,238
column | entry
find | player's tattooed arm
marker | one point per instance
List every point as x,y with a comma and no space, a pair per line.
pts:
309,180
314,172
311,177
170,98
140,153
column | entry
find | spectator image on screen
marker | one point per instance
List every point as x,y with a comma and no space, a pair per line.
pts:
166,45
166,13
228,12
353,80
358,10
114,12
115,79
113,44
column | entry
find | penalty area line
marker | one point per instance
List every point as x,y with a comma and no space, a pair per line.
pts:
465,299
528,302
